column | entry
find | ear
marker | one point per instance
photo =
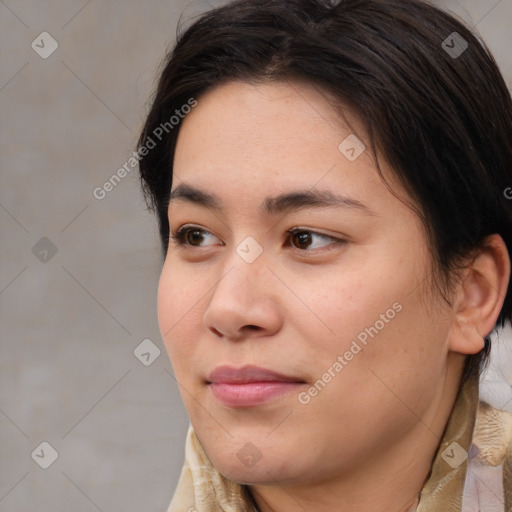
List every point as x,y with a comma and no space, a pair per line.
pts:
480,296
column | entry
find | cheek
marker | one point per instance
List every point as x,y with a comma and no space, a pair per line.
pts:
382,318
391,377
167,305
352,305
179,311
406,358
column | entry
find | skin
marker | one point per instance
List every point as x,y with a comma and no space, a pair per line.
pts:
367,440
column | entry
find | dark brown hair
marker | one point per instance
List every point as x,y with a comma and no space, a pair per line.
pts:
437,111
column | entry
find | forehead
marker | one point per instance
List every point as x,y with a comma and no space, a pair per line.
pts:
280,115
245,139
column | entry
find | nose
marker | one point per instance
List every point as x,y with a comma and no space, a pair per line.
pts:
243,303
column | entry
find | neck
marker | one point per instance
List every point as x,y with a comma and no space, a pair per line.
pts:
261,505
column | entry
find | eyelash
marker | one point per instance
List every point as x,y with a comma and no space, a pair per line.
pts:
179,238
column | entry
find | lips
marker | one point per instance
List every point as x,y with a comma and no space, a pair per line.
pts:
250,385
249,373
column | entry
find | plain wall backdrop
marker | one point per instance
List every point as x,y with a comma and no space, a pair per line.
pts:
79,274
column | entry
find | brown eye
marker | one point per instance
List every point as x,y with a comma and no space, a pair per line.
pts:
311,241
302,239
190,236
193,236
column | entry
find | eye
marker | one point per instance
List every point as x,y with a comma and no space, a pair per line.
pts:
305,239
190,236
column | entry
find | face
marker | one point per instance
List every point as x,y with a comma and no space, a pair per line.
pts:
328,295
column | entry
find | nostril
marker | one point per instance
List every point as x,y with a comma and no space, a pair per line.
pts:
216,331
239,334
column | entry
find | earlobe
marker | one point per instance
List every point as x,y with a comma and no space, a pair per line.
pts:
480,296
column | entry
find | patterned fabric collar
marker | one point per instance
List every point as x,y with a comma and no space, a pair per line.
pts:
471,472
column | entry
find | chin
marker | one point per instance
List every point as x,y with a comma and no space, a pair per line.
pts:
251,476
249,465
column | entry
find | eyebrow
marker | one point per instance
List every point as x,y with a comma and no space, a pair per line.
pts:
280,204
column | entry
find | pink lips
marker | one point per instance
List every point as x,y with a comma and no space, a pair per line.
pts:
249,385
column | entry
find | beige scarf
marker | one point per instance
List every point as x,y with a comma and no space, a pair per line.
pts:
481,483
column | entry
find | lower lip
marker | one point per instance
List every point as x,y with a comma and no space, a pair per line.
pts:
250,393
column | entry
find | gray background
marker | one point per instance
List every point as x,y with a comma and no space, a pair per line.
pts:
70,321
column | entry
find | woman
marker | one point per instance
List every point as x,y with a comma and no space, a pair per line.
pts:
329,180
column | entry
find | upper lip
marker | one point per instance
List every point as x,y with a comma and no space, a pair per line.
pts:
248,373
